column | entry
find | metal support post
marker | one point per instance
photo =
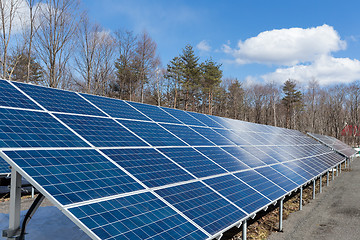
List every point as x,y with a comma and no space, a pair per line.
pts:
320,184
15,201
337,170
301,196
244,229
333,175
281,215
32,192
345,163
314,188
340,168
327,178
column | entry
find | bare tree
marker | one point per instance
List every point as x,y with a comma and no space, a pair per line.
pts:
58,25
8,12
146,60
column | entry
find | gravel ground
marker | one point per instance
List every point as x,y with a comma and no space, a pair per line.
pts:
25,204
334,214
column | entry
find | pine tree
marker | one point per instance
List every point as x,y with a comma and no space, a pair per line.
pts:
211,79
191,75
293,100
19,69
174,73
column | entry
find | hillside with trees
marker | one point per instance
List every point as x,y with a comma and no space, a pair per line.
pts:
59,46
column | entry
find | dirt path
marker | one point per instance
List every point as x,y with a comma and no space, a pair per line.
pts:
334,214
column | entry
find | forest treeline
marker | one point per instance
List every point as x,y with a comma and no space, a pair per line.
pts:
55,43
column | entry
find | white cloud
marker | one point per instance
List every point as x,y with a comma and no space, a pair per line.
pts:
287,46
203,46
326,70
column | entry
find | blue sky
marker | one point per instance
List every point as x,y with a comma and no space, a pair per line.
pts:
302,40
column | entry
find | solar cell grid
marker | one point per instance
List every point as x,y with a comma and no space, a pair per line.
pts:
295,177
277,178
59,101
155,113
183,116
148,165
152,133
11,97
193,161
232,136
141,216
101,132
259,154
72,176
205,120
238,192
21,129
213,136
188,135
202,205
261,184
222,158
115,107
244,156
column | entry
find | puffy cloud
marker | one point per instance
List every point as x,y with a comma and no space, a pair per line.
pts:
287,46
203,46
326,70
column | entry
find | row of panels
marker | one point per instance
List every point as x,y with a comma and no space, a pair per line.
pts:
335,144
84,104
75,176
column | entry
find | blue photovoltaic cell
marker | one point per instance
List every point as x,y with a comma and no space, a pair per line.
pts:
188,135
248,137
273,152
232,136
295,177
277,178
148,165
206,208
116,108
20,128
152,133
238,192
136,217
213,136
301,169
315,164
72,176
58,100
193,161
205,120
222,158
11,97
154,112
259,154
261,184
244,156
101,132
183,116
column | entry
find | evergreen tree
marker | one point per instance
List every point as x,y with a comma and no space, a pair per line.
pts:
292,101
191,75
211,79
19,69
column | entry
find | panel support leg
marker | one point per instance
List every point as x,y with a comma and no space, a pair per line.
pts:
244,229
345,163
340,168
314,188
337,170
327,178
320,184
301,196
333,175
14,211
281,215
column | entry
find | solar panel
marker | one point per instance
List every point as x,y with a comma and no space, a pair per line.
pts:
202,205
335,144
101,132
125,170
59,101
11,97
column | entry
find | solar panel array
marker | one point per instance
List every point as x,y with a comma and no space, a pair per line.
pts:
124,170
335,144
